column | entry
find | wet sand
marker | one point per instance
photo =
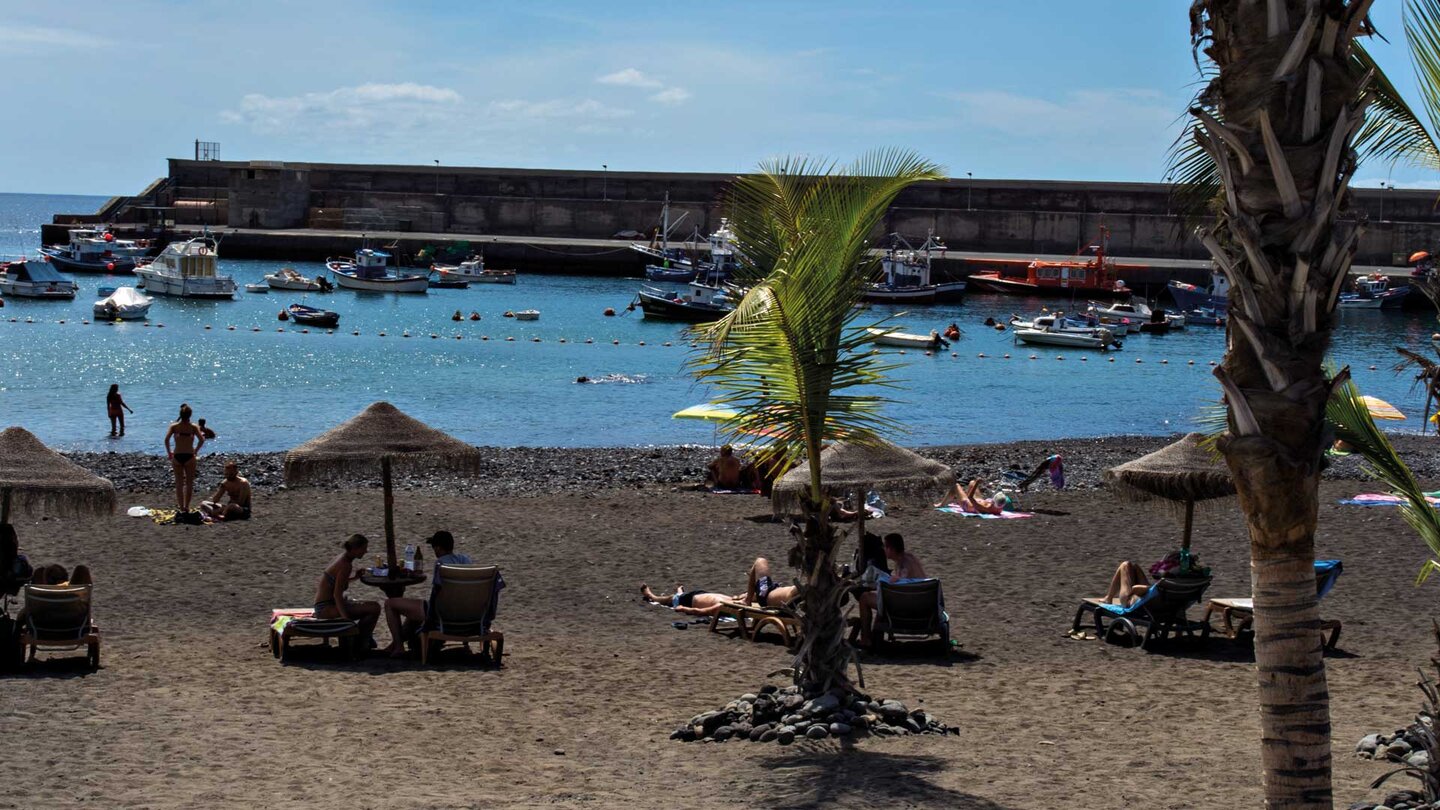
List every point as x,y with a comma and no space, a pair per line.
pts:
189,708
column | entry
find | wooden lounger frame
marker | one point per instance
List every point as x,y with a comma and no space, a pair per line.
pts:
1238,618
751,619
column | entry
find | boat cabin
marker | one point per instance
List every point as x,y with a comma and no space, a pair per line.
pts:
195,258
371,263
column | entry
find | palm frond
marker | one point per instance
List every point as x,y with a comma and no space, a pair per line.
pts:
791,355
1350,418
1428,376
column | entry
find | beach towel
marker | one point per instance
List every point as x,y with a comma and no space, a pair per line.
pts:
1386,499
693,620
955,509
733,491
280,617
170,517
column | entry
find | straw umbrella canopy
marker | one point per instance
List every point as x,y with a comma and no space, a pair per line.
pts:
380,435
849,467
1183,472
36,480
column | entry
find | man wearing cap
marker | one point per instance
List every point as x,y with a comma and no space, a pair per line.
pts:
399,608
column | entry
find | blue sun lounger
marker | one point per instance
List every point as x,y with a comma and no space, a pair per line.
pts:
1161,612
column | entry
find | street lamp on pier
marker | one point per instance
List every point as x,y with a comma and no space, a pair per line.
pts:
969,191
1385,190
437,177
605,181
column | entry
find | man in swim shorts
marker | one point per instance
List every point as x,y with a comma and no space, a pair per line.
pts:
692,603
235,488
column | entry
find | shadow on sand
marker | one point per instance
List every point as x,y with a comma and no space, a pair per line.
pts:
851,776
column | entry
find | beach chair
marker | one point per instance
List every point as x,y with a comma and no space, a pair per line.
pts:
57,617
1237,615
289,624
915,609
461,610
1161,612
750,620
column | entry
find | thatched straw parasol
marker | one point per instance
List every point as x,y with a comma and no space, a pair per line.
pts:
1183,472
36,480
847,468
382,435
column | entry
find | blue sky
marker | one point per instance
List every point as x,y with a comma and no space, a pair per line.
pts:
99,95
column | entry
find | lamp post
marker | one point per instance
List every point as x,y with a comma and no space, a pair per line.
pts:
437,177
969,191
605,181
1384,192
1169,191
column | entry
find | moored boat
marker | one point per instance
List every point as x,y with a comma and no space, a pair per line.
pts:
286,278
312,316
95,250
1099,338
1089,272
1202,316
906,340
1215,296
125,304
527,314
473,270
905,276
257,288
699,305
23,279
368,272
186,270
1373,292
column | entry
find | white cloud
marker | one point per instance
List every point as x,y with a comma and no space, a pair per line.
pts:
368,105
629,77
1081,112
671,95
554,108
40,37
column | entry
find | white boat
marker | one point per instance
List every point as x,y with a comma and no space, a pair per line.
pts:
288,279
126,304
906,340
905,276
39,280
527,315
368,272
473,270
1373,292
1056,323
96,250
1102,339
257,288
186,270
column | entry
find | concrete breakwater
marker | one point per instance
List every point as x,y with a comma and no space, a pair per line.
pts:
551,219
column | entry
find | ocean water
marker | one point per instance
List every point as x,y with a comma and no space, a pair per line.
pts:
270,390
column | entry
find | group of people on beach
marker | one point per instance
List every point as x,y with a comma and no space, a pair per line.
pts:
878,560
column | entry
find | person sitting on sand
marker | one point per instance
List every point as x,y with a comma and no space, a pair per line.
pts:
907,568
399,608
236,489
696,602
969,501
724,472
330,599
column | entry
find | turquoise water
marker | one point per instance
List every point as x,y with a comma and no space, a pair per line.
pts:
270,390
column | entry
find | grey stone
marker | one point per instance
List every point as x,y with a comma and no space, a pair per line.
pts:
821,705
771,734
743,729
786,728
785,737
1420,759
862,722
791,718
912,726
686,734
760,731
802,725
748,697
769,690
817,732
1398,749
1368,744
839,729
723,733
893,711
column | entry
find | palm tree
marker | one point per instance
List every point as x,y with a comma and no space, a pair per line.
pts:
1278,120
790,357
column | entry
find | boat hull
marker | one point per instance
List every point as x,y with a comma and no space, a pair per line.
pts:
395,284
118,265
309,316
899,295
63,291
215,288
664,309
292,286
1188,297
677,274
1067,340
994,282
494,278
906,341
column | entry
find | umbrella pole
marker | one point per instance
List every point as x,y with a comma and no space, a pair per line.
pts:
389,515
859,526
1189,521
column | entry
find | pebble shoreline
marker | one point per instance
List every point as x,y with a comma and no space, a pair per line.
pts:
520,471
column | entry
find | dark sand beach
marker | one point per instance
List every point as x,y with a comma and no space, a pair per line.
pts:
190,709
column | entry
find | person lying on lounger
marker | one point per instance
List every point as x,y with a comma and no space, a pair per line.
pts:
1130,583
695,602
968,499
761,589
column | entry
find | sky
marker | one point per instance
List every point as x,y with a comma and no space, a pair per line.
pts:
100,95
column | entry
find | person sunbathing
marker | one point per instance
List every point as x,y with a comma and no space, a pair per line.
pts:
968,500
761,589
1128,584
907,567
330,599
724,472
692,603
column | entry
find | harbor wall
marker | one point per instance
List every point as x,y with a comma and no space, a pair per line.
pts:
975,216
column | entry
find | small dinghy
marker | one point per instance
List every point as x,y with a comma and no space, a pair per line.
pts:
125,304
527,315
310,316
257,288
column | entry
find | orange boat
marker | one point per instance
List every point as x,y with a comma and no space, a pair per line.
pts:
1089,273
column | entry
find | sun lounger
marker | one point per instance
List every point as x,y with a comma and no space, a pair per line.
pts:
915,608
750,620
1161,611
461,611
287,624
1237,615
57,617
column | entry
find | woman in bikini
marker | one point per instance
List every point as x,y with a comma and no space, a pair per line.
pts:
115,407
188,441
969,500
330,599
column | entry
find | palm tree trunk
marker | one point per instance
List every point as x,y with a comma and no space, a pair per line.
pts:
823,660
1278,120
